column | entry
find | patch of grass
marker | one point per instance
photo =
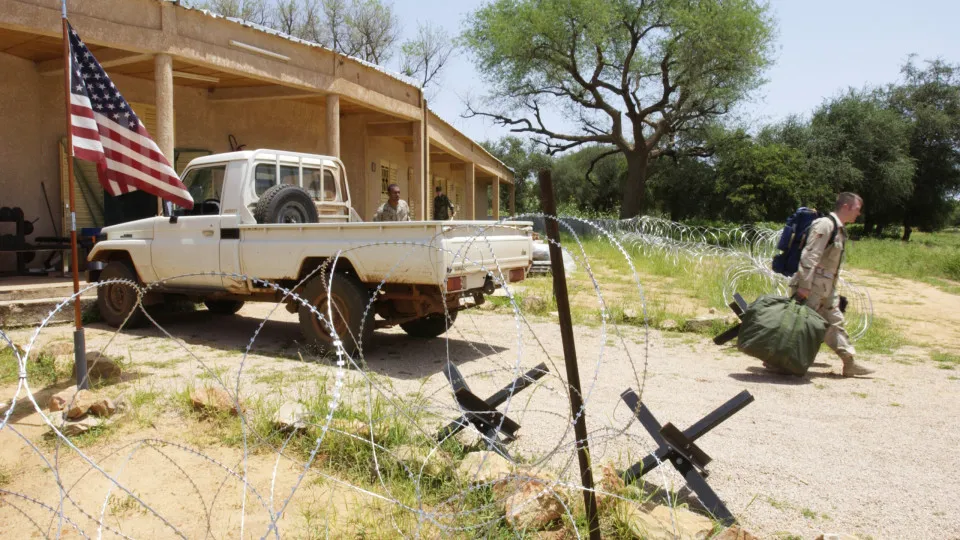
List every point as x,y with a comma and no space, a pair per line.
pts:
779,505
925,256
43,369
809,514
860,395
214,373
945,360
5,476
881,338
272,377
895,404
123,504
145,405
94,435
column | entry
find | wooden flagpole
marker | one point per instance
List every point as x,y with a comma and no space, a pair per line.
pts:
79,345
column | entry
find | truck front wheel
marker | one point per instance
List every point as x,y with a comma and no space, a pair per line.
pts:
349,304
430,326
118,300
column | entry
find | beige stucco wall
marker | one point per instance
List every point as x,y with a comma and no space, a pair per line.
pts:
20,128
379,150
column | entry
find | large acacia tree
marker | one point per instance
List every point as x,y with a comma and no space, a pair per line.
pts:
639,76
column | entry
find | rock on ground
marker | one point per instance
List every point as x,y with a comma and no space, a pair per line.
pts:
531,504
59,400
99,367
484,467
734,533
291,416
103,407
663,523
79,404
208,399
533,304
73,427
704,323
416,459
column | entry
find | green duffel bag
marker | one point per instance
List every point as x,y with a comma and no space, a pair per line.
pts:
782,333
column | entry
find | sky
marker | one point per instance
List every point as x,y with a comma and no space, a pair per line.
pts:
822,48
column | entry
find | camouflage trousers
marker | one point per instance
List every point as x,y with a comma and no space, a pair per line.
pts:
826,303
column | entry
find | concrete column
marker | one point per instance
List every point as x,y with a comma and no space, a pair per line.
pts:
163,82
469,190
495,184
333,125
417,182
513,200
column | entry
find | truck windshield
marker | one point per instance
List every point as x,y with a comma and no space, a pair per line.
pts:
205,185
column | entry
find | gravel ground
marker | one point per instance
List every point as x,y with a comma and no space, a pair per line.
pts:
871,457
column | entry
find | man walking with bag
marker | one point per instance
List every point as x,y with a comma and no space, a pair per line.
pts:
815,283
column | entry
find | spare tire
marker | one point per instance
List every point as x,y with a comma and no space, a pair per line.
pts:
285,203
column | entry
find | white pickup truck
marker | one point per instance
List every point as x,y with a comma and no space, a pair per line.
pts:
277,216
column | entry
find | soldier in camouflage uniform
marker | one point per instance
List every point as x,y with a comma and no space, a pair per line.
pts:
395,209
442,207
815,282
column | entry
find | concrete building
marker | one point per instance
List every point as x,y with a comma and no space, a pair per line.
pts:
205,84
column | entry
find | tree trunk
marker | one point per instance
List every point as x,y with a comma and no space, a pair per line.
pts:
635,188
868,225
907,231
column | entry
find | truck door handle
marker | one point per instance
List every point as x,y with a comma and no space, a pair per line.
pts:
207,232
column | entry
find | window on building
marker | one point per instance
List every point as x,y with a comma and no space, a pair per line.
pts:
388,175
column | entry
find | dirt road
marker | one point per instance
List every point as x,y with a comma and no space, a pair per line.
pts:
872,457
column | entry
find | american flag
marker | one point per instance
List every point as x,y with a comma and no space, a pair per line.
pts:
107,131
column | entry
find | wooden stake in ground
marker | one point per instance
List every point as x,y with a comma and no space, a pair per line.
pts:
569,350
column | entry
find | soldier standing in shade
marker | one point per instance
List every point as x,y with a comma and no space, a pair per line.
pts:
815,283
442,207
395,209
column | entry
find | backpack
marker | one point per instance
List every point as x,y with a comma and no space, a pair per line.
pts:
794,237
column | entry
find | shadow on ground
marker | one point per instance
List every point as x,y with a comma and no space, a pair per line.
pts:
393,354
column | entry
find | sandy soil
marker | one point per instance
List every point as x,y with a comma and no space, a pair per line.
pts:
872,457
924,313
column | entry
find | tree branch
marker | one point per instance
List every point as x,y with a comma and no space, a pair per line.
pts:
596,160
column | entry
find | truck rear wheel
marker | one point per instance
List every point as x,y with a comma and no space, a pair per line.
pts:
430,326
349,303
223,307
117,300
285,203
